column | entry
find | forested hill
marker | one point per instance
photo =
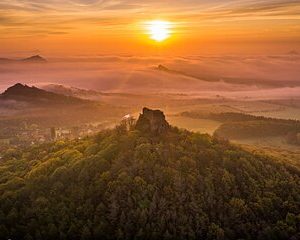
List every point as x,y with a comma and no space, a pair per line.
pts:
146,181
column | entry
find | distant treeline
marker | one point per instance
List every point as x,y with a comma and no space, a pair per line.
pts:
234,117
240,125
248,129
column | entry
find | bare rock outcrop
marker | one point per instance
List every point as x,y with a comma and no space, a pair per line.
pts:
152,121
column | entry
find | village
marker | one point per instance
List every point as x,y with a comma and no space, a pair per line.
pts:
33,134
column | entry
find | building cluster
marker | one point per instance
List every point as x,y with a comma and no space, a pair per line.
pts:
24,135
75,132
34,134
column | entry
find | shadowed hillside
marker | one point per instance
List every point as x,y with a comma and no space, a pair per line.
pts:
36,96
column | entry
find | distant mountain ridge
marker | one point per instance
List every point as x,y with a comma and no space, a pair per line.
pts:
31,59
87,94
37,96
71,91
36,58
207,77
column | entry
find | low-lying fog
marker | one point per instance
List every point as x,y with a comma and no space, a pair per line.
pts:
257,77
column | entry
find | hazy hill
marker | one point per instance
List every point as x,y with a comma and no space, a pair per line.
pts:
143,183
36,96
113,98
32,59
212,77
33,105
72,91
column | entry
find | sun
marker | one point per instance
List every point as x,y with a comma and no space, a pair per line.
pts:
159,30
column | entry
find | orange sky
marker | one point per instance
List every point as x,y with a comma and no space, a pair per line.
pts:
92,27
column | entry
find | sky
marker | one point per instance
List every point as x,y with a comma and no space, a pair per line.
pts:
95,27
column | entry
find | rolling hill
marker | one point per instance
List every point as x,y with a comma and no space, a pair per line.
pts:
31,59
36,96
34,59
21,103
72,91
147,180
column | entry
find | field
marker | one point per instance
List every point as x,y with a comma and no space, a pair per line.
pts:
195,125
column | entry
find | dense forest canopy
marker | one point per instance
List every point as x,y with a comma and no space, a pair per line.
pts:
128,183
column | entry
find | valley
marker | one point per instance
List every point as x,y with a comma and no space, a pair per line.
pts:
35,116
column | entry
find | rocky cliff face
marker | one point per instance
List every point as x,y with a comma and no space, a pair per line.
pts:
152,121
